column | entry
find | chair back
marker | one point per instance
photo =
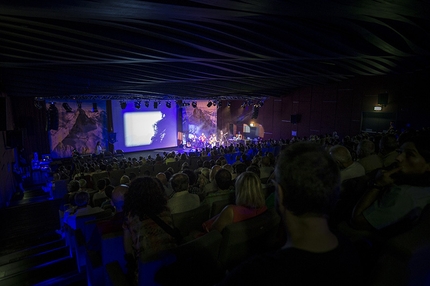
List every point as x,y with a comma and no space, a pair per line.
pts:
218,206
191,220
195,263
115,177
405,258
249,237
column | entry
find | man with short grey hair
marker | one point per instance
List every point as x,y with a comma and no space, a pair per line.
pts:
348,168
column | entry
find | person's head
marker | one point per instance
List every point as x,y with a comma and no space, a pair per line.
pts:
82,199
228,167
248,191
180,182
125,180
341,156
213,172
308,179
192,178
414,155
254,168
82,183
145,196
265,161
101,184
388,144
185,165
223,179
365,148
240,168
162,177
205,172
73,186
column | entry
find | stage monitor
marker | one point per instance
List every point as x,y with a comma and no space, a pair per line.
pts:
145,128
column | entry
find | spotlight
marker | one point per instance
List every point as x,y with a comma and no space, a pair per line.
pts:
123,104
146,103
155,104
194,104
209,104
137,104
168,104
67,107
229,104
95,107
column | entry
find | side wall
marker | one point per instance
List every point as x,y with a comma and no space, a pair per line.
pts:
7,159
337,107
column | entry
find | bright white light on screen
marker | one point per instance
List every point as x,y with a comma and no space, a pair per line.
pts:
139,127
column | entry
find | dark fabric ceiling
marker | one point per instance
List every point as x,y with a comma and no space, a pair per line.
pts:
204,49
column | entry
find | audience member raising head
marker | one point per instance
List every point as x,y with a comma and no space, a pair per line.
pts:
398,195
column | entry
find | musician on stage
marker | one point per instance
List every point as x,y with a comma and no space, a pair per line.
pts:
239,136
212,140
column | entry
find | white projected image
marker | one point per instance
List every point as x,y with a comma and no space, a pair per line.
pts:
140,127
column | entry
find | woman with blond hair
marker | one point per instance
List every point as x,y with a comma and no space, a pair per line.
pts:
249,203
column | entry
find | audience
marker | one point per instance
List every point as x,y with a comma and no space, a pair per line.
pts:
168,191
119,192
249,203
388,149
100,196
348,168
367,156
307,177
399,194
145,239
182,200
307,182
81,208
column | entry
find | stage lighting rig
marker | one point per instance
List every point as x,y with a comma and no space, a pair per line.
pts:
123,104
137,104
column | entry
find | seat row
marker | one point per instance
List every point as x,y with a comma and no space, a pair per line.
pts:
223,251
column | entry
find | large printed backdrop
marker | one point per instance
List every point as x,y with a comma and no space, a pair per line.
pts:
198,120
79,129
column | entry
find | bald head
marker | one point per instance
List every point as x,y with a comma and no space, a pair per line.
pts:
341,155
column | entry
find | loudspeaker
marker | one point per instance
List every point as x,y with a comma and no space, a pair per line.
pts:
112,137
295,118
255,110
52,119
383,98
3,126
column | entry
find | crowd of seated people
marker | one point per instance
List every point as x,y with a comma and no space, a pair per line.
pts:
393,170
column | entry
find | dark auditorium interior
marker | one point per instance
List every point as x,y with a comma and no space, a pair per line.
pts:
272,70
